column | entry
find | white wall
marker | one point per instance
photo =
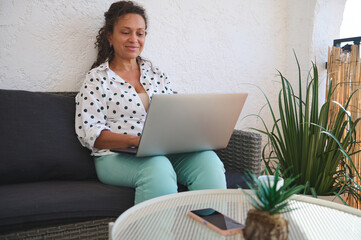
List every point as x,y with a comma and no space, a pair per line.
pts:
351,26
204,45
327,23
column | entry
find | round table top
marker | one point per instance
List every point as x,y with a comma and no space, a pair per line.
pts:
167,217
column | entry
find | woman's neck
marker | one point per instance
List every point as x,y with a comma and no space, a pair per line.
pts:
123,65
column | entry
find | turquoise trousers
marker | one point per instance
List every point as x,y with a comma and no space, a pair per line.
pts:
156,176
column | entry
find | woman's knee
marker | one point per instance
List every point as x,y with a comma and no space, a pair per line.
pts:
157,172
208,161
156,178
115,169
208,171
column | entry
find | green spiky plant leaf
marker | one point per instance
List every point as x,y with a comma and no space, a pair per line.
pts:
311,144
267,197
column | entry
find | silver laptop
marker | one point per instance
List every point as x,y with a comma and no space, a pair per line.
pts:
182,123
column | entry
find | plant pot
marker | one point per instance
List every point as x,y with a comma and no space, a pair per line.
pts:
262,225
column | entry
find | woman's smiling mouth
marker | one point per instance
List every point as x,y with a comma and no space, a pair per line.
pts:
132,48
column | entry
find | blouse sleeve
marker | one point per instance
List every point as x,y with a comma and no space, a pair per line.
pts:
91,109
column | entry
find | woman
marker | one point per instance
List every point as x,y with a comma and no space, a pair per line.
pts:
111,109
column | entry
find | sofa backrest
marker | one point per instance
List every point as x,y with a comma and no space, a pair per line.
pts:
38,140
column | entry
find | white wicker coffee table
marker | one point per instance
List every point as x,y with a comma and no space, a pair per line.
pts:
166,217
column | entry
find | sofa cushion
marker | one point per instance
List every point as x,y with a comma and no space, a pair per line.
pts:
38,140
55,200
39,204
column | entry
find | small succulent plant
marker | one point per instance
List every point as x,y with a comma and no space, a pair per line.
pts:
268,197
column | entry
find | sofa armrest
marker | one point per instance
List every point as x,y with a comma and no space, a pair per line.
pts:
243,152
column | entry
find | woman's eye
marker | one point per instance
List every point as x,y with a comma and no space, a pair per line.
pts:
124,33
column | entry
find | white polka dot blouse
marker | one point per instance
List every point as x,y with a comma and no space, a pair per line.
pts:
107,102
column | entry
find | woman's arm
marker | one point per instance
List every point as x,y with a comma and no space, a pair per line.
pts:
110,140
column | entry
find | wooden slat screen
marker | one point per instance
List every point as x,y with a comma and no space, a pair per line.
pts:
345,67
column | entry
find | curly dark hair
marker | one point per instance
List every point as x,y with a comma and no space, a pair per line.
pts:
116,10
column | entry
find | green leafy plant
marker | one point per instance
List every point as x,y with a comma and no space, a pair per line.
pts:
309,143
267,197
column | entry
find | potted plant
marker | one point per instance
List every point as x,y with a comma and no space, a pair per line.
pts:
309,142
266,221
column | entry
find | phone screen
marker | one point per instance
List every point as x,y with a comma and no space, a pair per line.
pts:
218,219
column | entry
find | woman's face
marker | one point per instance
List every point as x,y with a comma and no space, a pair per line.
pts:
128,36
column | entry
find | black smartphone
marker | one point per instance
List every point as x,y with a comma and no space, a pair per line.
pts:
217,221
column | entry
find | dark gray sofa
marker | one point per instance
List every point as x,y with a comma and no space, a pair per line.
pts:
48,184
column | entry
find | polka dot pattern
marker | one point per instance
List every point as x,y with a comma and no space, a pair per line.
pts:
106,101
